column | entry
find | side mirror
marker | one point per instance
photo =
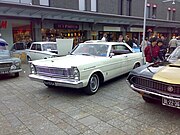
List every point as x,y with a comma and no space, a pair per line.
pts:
111,54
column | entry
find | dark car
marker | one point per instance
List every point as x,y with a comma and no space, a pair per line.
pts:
159,81
8,64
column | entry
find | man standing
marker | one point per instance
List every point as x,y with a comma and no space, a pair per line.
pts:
104,38
152,51
129,41
172,44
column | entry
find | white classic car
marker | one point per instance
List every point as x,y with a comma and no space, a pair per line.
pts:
87,66
41,50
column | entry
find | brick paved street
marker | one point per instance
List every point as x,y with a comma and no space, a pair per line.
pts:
30,108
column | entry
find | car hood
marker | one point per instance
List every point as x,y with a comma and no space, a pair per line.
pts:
169,73
69,61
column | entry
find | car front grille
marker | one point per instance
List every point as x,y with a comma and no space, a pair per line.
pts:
52,72
156,86
5,65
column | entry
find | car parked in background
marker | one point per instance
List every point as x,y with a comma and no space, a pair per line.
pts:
159,81
19,51
41,50
8,64
87,66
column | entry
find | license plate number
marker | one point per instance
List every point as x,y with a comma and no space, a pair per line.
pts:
49,83
171,103
4,72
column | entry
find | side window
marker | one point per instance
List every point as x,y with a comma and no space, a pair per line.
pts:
38,47
33,47
120,49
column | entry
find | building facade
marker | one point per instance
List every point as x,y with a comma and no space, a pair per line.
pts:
37,20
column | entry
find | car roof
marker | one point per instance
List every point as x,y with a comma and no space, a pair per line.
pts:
104,42
43,42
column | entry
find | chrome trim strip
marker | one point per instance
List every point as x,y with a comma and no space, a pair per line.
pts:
153,93
59,82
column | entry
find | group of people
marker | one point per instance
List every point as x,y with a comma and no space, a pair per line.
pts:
126,39
155,49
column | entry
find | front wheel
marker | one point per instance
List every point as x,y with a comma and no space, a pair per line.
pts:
148,99
16,74
93,85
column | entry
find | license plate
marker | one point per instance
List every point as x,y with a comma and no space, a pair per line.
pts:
171,103
49,83
4,72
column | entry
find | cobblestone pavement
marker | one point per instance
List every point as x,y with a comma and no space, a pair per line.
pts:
30,108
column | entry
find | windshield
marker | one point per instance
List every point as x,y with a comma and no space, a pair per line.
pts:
91,49
4,54
175,54
49,47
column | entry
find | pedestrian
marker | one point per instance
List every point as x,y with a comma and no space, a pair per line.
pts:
129,41
164,41
162,50
144,44
3,43
172,44
104,38
121,38
152,51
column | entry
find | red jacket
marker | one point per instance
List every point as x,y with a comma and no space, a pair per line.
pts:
151,53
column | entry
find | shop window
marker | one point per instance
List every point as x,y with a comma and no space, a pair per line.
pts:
120,7
154,11
174,14
82,5
128,9
44,2
169,14
22,33
148,10
94,5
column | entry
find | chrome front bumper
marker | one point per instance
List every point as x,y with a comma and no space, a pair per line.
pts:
142,91
57,81
10,72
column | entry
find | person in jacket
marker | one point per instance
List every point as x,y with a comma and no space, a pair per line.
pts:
152,51
172,44
162,49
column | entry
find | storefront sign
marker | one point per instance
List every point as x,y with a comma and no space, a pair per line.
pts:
3,24
109,28
135,29
66,26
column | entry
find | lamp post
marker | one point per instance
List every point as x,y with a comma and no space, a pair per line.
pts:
144,30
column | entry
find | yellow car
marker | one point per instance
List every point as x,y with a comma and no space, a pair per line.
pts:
159,81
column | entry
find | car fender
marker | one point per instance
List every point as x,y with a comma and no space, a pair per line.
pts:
91,73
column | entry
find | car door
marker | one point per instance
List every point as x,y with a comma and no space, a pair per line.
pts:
117,62
32,52
131,58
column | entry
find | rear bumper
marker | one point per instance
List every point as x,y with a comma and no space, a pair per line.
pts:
57,81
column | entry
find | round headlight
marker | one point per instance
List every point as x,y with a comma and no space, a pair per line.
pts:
17,64
13,67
